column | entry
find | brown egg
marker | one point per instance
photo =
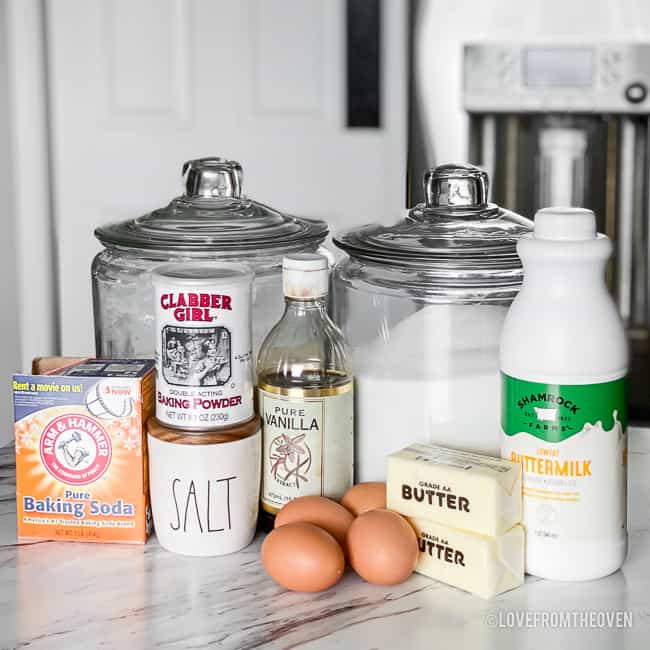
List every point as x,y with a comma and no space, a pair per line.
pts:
382,547
302,557
363,497
324,513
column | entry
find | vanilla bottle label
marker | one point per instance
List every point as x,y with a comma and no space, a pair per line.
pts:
571,441
307,443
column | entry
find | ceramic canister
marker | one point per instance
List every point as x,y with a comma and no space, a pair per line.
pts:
203,345
204,487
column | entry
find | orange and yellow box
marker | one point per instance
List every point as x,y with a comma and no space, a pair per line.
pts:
81,457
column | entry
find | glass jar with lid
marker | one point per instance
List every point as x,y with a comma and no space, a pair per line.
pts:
422,303
212,220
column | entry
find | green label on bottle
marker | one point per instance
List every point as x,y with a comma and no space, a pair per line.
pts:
572,445
554,412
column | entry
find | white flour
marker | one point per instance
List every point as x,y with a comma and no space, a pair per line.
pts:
434,377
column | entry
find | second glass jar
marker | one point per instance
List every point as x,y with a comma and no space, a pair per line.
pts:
422,304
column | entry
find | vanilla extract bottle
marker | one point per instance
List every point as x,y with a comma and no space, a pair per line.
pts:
305,395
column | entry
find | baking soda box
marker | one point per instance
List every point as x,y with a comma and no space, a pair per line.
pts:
81,459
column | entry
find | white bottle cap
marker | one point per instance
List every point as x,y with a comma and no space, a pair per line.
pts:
305,276
565,224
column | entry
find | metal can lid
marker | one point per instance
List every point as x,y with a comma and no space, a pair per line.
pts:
196,274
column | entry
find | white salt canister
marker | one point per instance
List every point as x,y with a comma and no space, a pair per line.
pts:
204,487
204,372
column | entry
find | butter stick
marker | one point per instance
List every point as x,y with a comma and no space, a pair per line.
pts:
485,566
477,493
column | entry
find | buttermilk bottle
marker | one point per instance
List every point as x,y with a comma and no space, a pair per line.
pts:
305,394
564,363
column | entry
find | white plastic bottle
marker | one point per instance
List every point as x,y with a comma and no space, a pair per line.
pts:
564,362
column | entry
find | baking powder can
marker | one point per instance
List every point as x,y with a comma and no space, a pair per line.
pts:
203,345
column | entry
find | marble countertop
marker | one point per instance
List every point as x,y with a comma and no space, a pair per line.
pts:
71,595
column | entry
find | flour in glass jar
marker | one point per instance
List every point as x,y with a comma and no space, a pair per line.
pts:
433,377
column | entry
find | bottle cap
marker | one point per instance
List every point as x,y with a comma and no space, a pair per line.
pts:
565,224
305,276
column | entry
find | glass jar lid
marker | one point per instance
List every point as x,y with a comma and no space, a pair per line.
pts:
455,233
214,215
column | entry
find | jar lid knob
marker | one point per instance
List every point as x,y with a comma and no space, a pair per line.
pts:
456,186
212,177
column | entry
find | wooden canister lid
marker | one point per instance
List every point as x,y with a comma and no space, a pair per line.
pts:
211,437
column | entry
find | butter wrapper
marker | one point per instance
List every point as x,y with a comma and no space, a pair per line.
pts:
477,493
485,566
